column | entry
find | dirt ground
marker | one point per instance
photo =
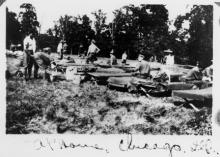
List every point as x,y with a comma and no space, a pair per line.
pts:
40,107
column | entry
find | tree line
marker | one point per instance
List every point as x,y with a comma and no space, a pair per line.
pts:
134,29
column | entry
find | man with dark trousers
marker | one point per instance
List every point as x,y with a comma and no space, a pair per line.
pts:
29,44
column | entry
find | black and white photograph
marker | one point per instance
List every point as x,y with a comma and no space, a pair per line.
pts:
108,67
109,78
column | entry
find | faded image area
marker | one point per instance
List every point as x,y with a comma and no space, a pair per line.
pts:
142,69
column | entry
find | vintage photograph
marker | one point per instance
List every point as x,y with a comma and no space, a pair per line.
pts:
111,67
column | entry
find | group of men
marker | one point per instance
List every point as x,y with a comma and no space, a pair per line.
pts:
42,60
196,73
34,59
93,50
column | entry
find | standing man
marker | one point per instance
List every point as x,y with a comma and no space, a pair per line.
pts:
169,57
92,52
124,58
80,51
143,68
60,49
113,60
29,45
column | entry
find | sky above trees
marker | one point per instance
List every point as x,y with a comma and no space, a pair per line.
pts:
49,11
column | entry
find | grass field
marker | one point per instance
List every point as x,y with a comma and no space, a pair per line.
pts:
39,107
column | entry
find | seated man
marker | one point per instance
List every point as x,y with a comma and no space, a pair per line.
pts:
143,68
194,74
208,73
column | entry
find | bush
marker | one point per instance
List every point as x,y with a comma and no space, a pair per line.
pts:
18,115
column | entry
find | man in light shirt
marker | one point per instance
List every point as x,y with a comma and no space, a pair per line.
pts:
124,58
61,48
169,57
92,52
113,59
29,45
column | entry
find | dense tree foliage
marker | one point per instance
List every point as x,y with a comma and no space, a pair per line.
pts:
13,29
28,19
178,40
194,43
201,34
100,21
135,29
103,33
142,29
46,40
74,30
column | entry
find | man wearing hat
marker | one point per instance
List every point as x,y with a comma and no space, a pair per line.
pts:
92,52
143,68
169,58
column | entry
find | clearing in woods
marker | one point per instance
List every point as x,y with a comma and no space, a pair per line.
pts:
39,107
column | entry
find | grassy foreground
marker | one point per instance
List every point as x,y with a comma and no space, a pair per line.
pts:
62,107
